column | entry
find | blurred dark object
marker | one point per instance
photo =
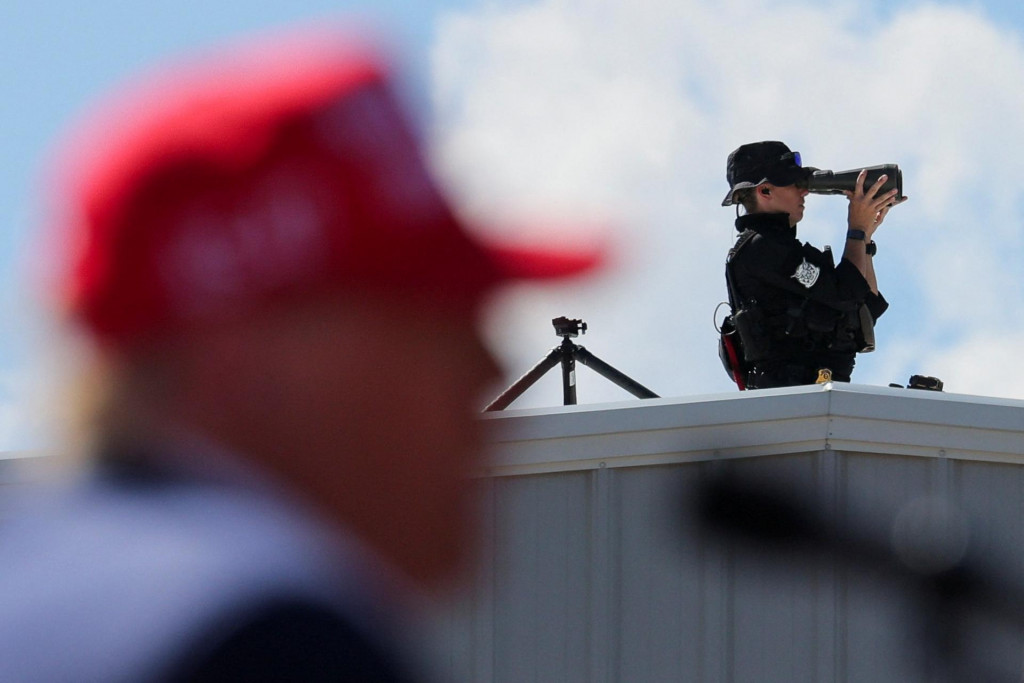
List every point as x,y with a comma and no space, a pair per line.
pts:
925,555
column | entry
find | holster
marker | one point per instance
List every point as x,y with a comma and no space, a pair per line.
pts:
750,325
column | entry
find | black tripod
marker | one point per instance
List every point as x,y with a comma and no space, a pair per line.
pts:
568,353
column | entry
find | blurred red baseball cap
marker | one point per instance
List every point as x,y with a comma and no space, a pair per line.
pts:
282,166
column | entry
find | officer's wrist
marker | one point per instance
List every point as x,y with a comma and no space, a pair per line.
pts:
856,234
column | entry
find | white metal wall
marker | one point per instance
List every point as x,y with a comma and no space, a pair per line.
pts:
597,572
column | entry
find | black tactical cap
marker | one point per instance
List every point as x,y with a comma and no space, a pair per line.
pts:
762,162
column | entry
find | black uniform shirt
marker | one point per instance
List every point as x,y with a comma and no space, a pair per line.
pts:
810,305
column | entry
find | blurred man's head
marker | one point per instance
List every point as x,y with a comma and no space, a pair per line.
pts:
260,251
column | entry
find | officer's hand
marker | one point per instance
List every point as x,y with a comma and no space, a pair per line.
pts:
868,208
880,216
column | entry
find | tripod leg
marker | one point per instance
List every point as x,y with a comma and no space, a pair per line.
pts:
568,373
526,381
613,375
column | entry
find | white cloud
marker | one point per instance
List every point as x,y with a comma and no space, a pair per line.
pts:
631,108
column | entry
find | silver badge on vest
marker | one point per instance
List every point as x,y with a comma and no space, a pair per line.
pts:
807,274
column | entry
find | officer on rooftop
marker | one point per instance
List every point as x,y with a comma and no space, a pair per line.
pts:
801,317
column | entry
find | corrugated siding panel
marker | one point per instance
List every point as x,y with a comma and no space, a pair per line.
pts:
598,574
657,577
542,576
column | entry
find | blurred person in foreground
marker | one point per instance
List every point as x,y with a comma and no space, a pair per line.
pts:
284,309
801,317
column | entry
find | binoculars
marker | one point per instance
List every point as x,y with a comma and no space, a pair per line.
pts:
838,182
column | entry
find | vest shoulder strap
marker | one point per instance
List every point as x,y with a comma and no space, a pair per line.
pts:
741,242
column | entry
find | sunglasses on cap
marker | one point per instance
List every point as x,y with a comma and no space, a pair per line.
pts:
794,157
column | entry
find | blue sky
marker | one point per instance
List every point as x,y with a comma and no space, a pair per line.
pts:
625,109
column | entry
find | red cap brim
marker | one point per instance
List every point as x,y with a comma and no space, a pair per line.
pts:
517,262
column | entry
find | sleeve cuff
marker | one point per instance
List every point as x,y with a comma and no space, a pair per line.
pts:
876,304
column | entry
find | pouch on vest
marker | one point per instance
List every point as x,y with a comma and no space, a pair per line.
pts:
866,332
753,334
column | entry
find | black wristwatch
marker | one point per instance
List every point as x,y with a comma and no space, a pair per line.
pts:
871,248
856,235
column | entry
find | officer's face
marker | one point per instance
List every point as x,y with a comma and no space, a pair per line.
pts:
787,199
790,199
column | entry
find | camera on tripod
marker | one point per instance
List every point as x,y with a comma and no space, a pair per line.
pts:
565,327
566,354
